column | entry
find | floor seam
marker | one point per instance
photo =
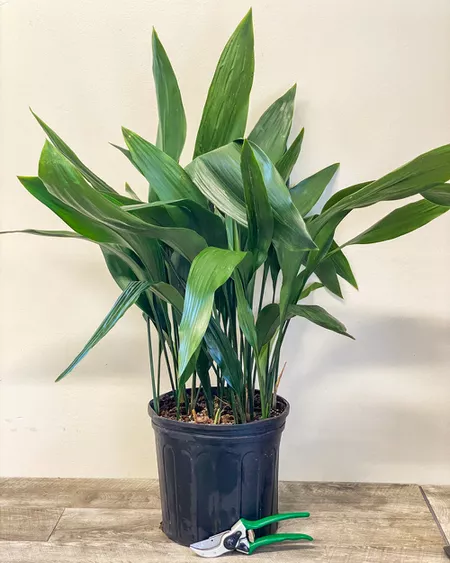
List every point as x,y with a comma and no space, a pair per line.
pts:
433,514
55,526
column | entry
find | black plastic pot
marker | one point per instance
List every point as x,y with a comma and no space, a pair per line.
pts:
212,475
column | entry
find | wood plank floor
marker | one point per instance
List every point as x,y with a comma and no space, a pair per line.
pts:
117,521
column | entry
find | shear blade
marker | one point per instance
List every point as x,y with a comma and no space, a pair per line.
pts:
211,547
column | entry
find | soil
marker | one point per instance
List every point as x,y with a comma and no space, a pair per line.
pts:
168,409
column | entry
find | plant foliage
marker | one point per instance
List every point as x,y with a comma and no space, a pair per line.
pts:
223,254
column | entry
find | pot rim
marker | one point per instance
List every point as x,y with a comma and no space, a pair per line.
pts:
255,427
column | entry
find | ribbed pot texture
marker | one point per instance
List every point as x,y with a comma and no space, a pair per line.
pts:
212,475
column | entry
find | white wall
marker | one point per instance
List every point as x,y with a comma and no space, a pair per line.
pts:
373,91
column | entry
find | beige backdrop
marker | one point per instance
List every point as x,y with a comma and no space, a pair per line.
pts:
373,91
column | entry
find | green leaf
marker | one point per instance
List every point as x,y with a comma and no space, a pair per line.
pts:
287,162
218,176
290,262
290,229
202,367
267,324
224,355
307,193
400,222
124,269
169,294
226,108
259,212
66,183
341,194
341,265
272,130
210,269
217,342
125,301
172,119
439,194
273,265
309,289
194,216
166,177
92,178
39,232
245,313
412,178
87,227
131,192
318,316
326,272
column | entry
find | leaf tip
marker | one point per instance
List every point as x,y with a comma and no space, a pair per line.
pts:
247,20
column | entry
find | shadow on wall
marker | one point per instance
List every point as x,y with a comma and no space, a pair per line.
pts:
359,407
385,340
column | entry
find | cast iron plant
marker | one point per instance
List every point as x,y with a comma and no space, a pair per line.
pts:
225,251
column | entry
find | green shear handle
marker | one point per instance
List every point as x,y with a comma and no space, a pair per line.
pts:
267,540
256,524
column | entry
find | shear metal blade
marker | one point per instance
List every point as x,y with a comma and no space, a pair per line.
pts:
211,547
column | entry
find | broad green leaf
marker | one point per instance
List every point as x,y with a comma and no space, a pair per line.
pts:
245,313
172,119
287,162
272,129
259,212
289,228
210,269
307,193
226,108
218,176
309,289
326,272
342,266
85,226
319,316
65,182
128,298
439,194
166,177
194,216
400,222
42,233
412,178
267,324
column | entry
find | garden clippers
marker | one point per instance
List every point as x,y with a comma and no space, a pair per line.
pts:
242,538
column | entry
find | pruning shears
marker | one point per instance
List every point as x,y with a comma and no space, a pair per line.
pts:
242,538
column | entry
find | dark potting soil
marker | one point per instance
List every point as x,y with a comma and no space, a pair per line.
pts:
168,409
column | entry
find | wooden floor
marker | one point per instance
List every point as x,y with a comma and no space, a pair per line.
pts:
117,521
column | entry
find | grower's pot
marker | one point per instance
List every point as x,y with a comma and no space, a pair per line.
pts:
212,475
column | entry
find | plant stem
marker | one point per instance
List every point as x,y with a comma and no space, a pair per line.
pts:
152,366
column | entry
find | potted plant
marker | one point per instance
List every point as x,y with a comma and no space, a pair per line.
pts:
219,259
